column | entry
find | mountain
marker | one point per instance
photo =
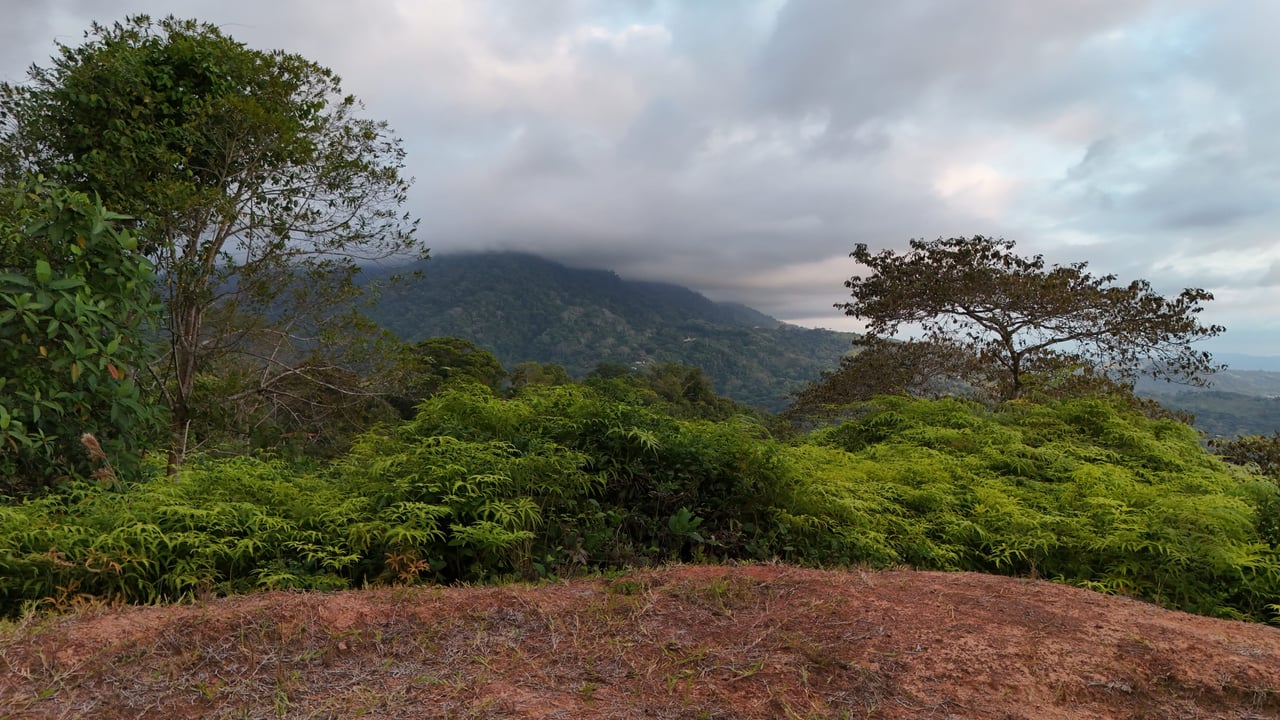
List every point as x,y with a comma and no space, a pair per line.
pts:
526,308
1238,402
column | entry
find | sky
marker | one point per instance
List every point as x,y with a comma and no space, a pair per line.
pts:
743,147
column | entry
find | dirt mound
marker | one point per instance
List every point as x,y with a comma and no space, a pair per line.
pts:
685,642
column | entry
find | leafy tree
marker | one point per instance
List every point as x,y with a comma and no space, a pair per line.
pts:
683,391
688,391
433,363
245,169
612,371
304,378
75,300
1025,323
882,367
534,373
1259,452
934,370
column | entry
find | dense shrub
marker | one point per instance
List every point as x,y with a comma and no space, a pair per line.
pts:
661,487
473,488
1078,491
556,479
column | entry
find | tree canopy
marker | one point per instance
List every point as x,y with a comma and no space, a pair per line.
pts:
883,367
1025,324
245,170
432,364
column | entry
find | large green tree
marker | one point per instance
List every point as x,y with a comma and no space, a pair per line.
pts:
245,169
1027,325
75,302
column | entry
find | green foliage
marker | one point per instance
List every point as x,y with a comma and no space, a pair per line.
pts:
473,488
680,390
75,300
490,496
883,367
535,373
527,309
687,391
478,487
1260,453
1081,491
431,364
245,169
646,467
230,526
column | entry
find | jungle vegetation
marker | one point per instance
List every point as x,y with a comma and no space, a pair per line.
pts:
167,433
561,479
524,308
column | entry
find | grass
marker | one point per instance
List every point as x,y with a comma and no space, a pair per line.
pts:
718,642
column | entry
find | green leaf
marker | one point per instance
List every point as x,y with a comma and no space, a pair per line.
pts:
13,279
66,283
44,273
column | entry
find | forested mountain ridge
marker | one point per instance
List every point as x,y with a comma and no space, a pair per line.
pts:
1254,383
1236,402
526,308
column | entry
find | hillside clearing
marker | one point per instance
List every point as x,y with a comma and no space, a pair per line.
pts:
684,642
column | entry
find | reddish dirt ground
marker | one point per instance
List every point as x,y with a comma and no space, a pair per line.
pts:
683,642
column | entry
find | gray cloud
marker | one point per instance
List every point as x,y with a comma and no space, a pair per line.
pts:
744,148
1272,277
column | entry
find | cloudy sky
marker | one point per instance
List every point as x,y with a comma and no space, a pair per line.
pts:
742,147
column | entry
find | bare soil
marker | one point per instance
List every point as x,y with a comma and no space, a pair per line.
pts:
682,642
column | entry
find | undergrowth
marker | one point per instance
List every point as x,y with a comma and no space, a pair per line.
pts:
559,479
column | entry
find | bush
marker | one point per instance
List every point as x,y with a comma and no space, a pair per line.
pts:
653,477
1080,491
478,488
75,300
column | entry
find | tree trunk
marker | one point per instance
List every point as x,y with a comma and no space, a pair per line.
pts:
187,322
179,425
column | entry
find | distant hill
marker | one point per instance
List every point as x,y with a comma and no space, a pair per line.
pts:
525,308
1239,402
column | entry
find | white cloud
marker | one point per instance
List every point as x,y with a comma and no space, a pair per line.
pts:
978,187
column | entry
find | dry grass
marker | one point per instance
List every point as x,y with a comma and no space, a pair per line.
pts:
684,642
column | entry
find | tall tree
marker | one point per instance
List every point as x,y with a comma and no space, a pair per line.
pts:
1029,324
245,169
